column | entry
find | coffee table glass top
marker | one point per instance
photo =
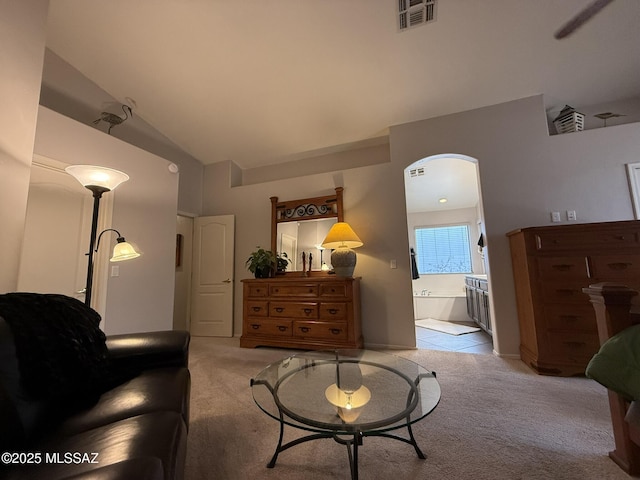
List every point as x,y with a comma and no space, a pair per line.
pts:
345,391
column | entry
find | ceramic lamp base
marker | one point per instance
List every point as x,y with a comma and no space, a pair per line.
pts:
343,261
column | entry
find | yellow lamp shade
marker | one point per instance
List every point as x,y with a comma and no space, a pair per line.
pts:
341,235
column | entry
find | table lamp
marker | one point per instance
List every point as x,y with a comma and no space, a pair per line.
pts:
341,238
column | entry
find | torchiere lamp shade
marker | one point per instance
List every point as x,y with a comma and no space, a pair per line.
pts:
341,238
94,176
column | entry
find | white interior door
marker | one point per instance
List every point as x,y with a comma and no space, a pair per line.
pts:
212,285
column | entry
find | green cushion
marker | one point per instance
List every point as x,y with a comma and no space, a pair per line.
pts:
617,364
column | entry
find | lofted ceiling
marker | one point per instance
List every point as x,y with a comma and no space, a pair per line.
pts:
263,82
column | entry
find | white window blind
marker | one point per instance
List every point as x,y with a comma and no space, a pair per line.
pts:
443,249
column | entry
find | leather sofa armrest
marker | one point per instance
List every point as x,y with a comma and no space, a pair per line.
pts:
141,351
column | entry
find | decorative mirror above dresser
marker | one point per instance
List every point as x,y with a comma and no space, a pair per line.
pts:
298,228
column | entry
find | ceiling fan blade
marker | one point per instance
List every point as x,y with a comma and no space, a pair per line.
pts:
581,18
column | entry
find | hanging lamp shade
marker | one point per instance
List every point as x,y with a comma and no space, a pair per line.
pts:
123,251
94,176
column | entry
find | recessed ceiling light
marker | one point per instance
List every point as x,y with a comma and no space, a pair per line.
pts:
443,200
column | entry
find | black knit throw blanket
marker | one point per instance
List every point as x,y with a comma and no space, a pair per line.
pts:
61,350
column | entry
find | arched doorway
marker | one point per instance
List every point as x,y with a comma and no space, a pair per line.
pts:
446,237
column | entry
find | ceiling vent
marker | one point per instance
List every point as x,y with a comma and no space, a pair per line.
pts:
416,172
412,13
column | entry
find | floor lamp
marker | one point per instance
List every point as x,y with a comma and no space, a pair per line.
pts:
99,180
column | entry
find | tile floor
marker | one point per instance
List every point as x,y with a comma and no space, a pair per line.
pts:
476,342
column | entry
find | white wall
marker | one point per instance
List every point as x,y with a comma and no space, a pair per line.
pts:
22,41
141,297
524,174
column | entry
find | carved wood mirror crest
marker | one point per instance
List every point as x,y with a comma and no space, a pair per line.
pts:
298,227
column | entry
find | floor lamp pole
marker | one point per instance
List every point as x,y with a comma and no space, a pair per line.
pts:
97,194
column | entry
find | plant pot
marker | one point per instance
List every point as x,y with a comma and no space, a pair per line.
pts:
263,272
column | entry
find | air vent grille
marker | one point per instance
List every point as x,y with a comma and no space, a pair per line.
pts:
416,172
412,13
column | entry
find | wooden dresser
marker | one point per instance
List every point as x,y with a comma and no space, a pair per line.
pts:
302,312
551,266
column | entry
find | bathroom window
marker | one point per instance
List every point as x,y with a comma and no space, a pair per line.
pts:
443,249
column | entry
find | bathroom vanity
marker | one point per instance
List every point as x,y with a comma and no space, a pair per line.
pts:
477,292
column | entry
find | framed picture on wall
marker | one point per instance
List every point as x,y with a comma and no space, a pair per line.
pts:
633,175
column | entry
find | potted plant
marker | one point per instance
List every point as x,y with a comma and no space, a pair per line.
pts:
282,262
261,263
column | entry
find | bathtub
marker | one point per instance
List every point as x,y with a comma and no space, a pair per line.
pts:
448,306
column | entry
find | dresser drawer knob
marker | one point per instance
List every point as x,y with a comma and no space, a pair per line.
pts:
255,326
304,329
308,311
335,331
282,328
256,309
279,309
333,311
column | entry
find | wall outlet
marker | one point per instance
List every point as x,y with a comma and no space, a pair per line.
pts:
393,264
555,217
571,215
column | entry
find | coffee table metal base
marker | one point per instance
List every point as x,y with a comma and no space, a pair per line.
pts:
352,442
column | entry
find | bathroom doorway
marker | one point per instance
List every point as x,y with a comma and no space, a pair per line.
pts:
447,241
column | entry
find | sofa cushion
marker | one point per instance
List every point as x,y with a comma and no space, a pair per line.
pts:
61,350
162,389
161,435
20,414
617,363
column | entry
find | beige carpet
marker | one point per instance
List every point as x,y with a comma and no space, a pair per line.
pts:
496,420
445,327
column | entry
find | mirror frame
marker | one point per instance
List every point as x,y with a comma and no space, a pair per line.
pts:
328,206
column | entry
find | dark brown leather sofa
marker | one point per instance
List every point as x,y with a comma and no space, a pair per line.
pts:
136,428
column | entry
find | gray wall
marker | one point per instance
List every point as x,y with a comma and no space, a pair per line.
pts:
22,40
67,91
144,211
524,175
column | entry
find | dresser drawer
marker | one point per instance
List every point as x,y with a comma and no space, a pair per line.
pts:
294,290
616,267
258,308
571,318
333,290
575,347
293,309
566,292
320,330
259,326
334,311
253,290
605,240
563,268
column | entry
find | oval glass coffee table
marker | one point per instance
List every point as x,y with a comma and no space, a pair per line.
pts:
346,395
